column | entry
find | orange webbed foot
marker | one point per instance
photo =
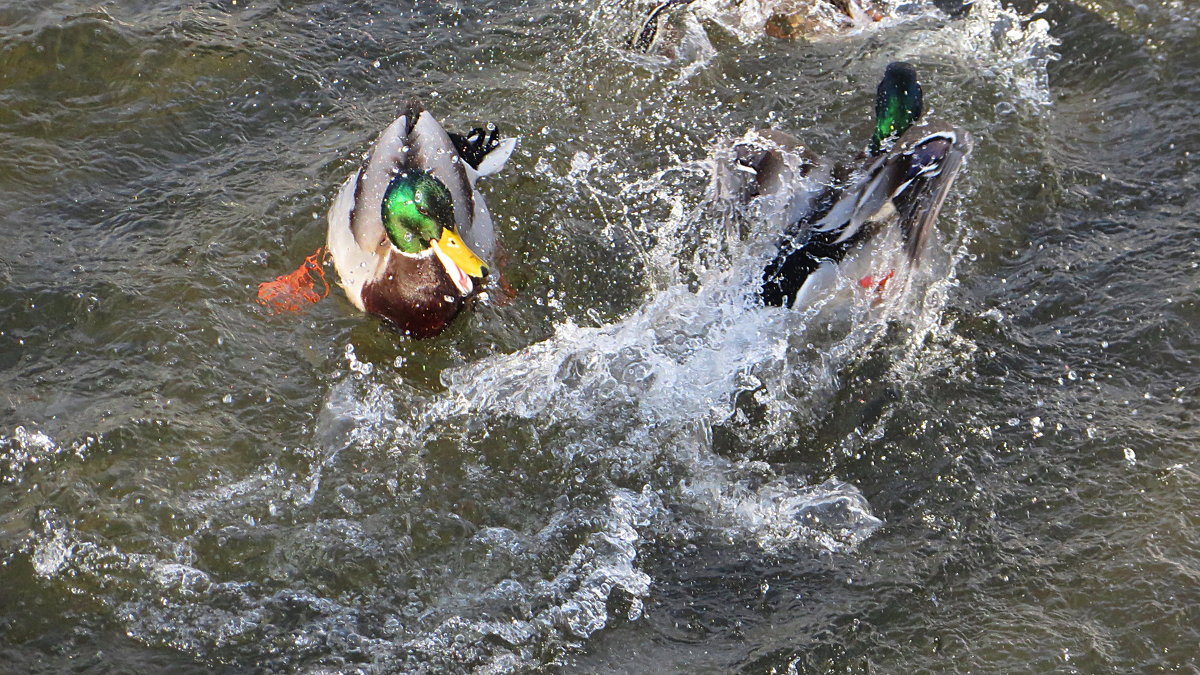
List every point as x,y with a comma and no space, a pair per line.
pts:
291,292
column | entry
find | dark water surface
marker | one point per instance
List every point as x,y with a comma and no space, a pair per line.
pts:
630,468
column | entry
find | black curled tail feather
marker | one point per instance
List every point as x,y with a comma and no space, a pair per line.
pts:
476,144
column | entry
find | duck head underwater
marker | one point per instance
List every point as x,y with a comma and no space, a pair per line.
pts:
408,232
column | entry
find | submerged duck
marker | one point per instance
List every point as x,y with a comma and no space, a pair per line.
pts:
408,232
891,199
777,18
659,31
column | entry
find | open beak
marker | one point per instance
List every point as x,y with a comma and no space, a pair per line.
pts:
460,262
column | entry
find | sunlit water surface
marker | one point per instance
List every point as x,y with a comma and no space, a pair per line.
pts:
631,467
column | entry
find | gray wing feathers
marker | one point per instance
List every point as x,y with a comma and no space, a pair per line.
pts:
918,213
869,196
435,152
389,152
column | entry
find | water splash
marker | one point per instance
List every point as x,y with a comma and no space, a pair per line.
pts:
506,520
996,41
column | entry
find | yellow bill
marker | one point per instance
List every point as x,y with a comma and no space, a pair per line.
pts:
458,259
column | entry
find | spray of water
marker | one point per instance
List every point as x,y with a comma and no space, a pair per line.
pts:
523,504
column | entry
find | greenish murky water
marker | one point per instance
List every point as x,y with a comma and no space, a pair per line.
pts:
630,467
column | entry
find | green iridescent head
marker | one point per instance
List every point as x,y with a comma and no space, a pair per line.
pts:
898,104
418,215
416,208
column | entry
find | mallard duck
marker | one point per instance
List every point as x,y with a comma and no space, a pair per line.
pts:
896,193
408,232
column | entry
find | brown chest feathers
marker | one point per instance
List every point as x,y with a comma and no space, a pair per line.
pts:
415,296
